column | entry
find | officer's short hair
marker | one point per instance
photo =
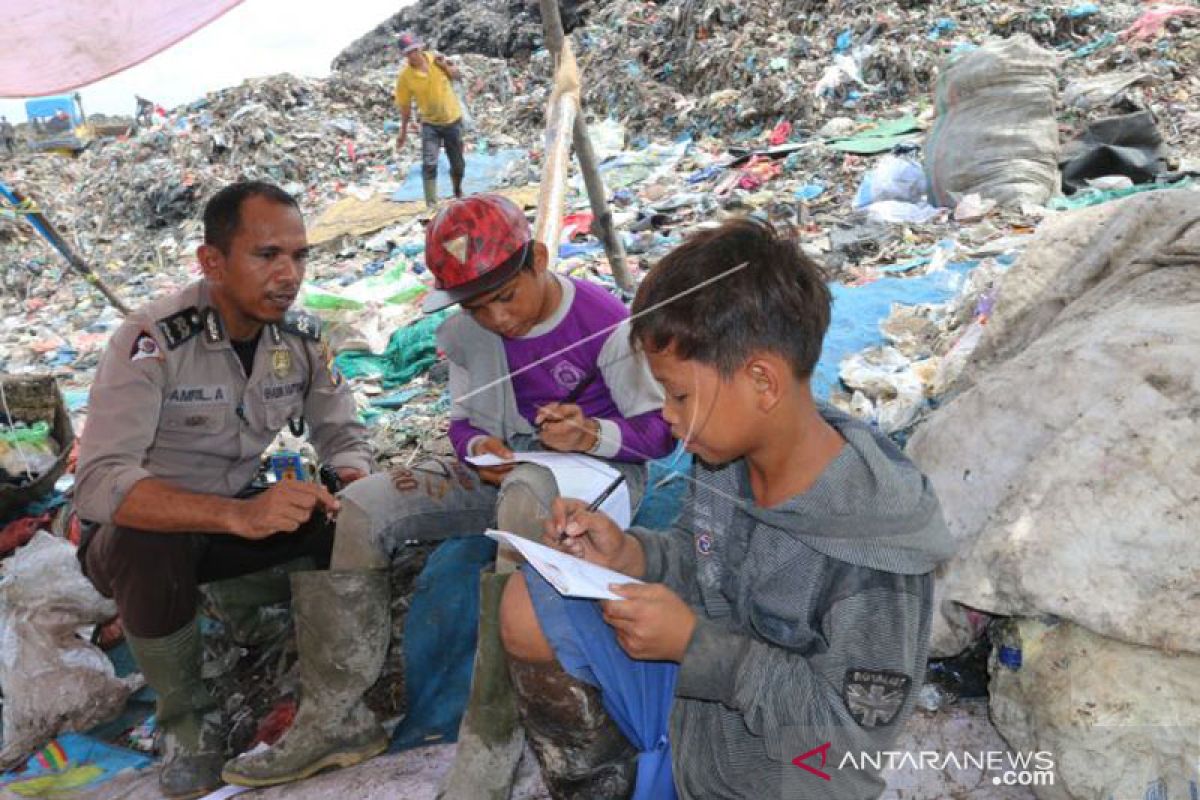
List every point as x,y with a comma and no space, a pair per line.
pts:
223,214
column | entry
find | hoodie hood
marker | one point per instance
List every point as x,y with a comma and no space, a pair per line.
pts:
882,512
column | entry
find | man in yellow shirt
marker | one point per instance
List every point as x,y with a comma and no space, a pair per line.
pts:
426,79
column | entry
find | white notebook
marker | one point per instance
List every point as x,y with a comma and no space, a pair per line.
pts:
571,576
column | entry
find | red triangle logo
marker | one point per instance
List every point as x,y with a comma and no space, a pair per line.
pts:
823,750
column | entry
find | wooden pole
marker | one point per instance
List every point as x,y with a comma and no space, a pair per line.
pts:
602,223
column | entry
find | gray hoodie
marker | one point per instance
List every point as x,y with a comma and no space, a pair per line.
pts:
813,622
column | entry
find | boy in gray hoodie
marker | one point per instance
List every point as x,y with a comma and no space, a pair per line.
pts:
783,622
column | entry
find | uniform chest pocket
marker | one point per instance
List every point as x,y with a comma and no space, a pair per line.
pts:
277,415
187,420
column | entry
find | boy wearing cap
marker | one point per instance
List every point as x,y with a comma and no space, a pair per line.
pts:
426,79
524,340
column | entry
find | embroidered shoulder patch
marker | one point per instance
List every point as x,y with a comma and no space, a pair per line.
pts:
180,326
145,347
306,326
874,696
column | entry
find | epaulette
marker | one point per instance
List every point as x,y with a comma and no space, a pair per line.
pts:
180,326
304,325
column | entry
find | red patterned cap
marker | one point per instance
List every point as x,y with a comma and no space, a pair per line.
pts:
473,246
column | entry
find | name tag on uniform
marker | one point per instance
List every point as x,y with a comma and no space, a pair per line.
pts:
198,395
275,392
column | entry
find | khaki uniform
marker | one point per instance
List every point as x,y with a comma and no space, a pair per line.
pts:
171,401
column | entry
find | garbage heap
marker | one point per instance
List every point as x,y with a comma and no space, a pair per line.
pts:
823,118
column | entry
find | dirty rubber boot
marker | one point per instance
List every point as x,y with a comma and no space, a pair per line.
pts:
249,606
189,722
430,191
342,633
490,739
582,754
457,180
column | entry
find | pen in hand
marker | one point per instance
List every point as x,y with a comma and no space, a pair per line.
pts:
576,391
594,506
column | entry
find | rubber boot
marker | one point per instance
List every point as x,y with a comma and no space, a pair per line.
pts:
251,607
342,633
189,723
430,185
582,754
490,738
457,180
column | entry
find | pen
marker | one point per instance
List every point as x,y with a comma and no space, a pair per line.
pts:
578,389
594,506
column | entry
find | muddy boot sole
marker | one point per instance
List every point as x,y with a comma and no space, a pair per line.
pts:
339,760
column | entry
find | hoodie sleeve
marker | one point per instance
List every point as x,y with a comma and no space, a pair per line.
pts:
671,554
852,682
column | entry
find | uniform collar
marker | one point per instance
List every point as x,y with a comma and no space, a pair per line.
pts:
213,331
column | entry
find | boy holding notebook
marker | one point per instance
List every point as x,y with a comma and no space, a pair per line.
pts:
784,621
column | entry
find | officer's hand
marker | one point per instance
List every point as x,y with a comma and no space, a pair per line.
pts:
283,508
497,447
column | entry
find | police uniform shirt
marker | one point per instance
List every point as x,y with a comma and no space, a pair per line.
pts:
172,401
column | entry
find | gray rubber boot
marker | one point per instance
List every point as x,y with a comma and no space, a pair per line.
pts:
189,723
430,191
582,753
490,738
253,607
342,633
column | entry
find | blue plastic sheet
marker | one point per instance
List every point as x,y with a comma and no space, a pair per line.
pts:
482,175
858,310
69,764
439,641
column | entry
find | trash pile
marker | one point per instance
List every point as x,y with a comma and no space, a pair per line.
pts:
873,133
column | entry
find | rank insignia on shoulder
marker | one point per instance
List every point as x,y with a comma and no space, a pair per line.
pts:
180,326
306,326
145,347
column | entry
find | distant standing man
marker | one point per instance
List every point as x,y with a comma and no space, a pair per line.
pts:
426,78
7,135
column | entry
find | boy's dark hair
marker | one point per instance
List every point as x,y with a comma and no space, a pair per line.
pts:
777,302
223,213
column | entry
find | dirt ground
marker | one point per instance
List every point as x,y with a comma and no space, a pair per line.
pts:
416,774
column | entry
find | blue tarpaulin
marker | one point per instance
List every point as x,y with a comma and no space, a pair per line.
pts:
858,310
483,174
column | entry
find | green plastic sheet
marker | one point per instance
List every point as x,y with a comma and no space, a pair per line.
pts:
411,351
879,139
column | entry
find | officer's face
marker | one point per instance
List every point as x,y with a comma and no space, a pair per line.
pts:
259,277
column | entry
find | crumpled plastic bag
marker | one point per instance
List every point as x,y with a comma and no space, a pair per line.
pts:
53,681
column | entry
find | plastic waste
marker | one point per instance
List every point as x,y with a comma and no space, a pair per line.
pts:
893,178
27,450
52,680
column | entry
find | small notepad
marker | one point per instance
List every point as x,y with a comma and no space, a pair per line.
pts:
571,576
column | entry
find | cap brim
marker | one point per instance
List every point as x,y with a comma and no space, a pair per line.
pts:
438,299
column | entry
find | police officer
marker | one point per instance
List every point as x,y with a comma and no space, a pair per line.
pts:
191,390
